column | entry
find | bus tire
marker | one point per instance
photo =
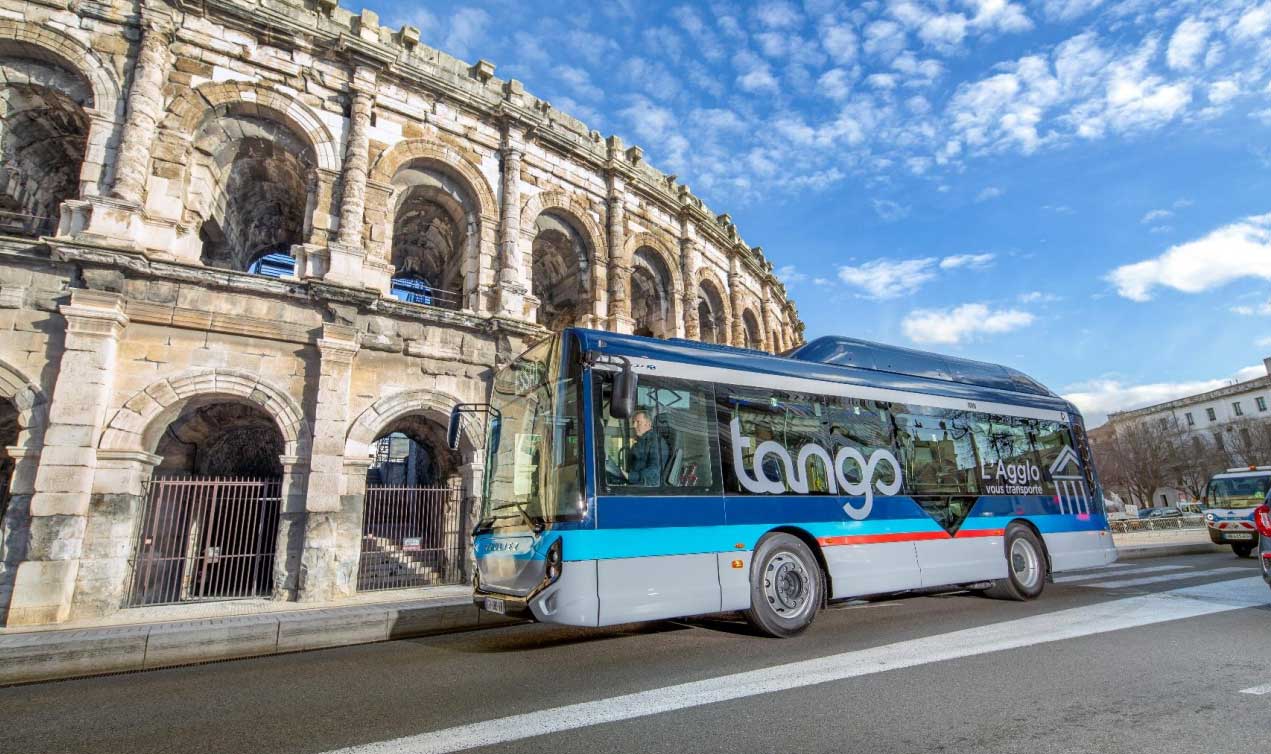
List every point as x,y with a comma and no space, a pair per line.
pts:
1243,550
786,586
1025,567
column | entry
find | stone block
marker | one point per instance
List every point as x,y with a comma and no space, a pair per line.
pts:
42,592
205,641
314,629
44,655
420,620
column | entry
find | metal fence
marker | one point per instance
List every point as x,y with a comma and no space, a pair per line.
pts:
411,537
1171,523
205,539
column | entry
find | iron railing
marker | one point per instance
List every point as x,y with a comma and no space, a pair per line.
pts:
411,537
205,538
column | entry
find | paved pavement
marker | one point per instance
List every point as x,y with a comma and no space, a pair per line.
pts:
1160,655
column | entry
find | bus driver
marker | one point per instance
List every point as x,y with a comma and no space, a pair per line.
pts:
648,454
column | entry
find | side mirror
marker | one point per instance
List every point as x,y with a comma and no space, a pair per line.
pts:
452,430
622,403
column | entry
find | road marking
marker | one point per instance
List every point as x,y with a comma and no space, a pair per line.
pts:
1136,570
1122,583
1258,690
1113,615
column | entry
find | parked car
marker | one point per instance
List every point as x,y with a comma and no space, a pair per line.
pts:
1160,513
1232,497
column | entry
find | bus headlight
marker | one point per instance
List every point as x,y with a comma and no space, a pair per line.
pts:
554,561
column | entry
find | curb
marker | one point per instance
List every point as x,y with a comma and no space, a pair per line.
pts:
55,655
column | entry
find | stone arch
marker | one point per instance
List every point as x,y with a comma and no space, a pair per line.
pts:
189,108
712,294
664,248
28,399
139,423
573,207
560,243
752,329
403,153
383,413
70,53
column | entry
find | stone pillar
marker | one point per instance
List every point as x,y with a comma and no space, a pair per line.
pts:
348,251
735,300
688,261
289,547
118,499
769,326
145,107
512,288
329,561
473,476
619,266
45,581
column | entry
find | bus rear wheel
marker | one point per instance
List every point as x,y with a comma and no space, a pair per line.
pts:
1025,567
786,586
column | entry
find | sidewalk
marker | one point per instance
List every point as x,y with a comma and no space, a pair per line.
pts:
147,638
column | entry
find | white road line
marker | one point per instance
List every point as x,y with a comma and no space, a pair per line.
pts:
1145,569
1121,583
1114,615
1258,690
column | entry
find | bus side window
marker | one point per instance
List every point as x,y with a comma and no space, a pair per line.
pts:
665,448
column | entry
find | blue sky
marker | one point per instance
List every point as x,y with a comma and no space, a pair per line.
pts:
1077,188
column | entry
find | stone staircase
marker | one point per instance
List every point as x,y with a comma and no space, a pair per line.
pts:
386,564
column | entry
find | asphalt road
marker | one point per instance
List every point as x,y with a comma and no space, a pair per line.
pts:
1163,655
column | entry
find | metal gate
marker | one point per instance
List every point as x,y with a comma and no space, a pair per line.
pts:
205,539
411,537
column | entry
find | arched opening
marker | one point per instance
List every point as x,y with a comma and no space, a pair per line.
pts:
411,523
210,522
560,273
651,291
754,335
43,137
434,228
254,183
711,318
9,429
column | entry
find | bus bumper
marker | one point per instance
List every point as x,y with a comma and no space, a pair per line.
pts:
571,600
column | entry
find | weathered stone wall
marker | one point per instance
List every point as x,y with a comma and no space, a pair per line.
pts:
206,143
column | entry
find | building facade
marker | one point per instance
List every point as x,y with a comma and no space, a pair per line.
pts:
252,252
1203,434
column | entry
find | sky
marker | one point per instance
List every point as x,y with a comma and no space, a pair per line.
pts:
1080,189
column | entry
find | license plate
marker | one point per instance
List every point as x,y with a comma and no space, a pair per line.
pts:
1239,536
495,605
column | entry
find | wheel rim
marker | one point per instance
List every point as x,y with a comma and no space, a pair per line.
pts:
1025,563
788,585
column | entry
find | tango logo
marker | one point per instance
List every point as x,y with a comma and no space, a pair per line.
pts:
796,470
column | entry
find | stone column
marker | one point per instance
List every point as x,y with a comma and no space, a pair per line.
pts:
512,288
769,327
348,250
688,262
332,529
145,107
735,300
473,476
45,582
619,266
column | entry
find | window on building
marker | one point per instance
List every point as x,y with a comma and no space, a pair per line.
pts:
1235,406
1191,420
1262,404
1213,416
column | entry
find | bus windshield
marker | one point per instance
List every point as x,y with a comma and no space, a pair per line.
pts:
533,466
1238,492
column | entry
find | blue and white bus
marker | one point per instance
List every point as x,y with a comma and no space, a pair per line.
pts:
632,479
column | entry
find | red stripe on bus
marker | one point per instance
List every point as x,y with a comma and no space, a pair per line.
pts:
911,536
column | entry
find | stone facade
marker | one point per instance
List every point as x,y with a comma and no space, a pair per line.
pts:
431,221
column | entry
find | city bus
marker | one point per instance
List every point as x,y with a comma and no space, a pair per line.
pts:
632,479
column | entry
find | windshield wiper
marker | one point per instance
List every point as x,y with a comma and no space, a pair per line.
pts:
537,523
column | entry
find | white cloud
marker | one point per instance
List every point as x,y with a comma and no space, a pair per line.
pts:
886,278
1067,10
1037,297
1098,398
839,40
1264,343
836,83
755,75
1187,44
889,210
1154,215
778,15
999,15
966,260
789,274
987,193
467,29
1241,249
884,39
578,80
1224,91
650,78
1253,23
1245,310
962,323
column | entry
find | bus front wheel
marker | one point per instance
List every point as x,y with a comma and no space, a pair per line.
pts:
1025,567
786,586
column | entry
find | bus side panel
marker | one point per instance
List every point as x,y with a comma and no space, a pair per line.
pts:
734,580
573,600
961,560
657,587
1070,550
872,568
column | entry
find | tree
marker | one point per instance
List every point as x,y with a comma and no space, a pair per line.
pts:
1136,457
